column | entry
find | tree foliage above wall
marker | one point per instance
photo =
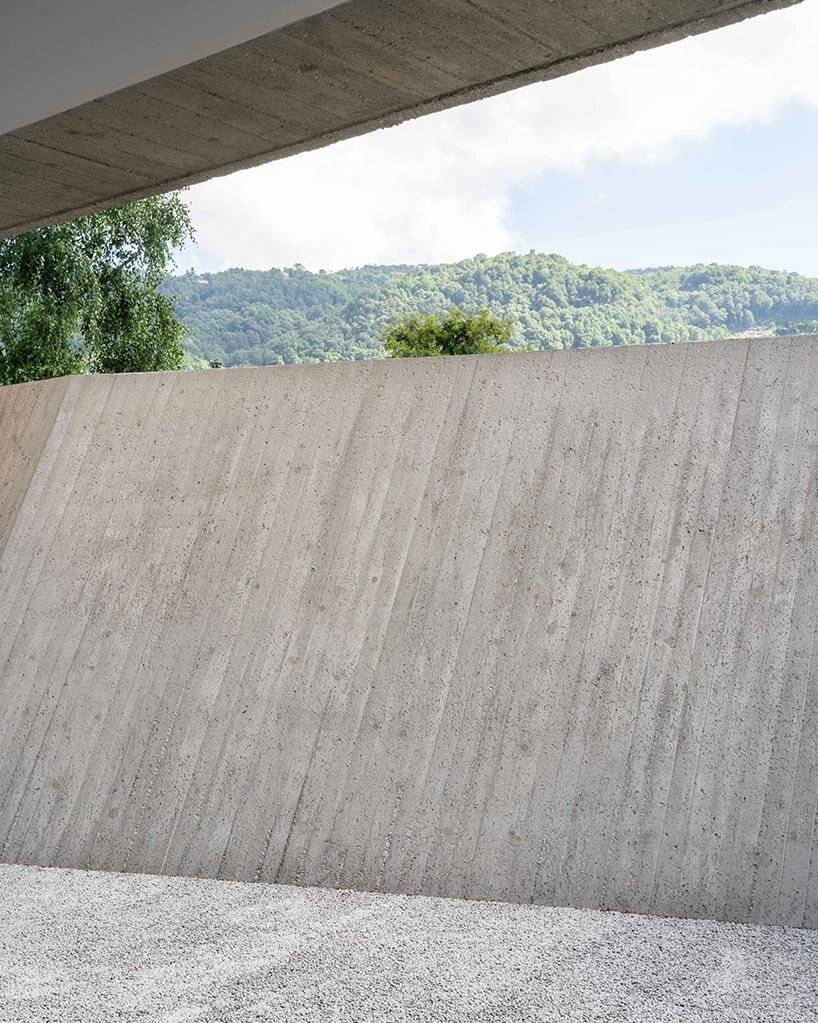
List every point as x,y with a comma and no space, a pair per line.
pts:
246,317
452,334
82,296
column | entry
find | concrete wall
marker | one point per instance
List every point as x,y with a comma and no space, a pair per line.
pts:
532,627
27,415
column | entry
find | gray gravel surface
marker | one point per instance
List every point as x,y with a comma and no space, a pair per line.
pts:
85,947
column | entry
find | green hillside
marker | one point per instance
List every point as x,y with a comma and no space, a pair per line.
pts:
251,318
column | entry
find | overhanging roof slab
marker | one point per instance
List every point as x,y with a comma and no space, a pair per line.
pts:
357,66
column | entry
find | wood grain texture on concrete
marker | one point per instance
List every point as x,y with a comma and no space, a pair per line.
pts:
362,65
532,627
27,414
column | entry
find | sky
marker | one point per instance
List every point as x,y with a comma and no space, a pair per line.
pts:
705,150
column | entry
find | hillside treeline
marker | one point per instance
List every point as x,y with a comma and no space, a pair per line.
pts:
252,318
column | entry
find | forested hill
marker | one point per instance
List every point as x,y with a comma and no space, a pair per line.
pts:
248,317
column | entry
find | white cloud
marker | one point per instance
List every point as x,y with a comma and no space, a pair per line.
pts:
438,188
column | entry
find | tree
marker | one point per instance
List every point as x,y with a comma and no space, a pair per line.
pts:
81,297
256,317
455,334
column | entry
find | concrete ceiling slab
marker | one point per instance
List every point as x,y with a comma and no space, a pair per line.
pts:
55,56
343,71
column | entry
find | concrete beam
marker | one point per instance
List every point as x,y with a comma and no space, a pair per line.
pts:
360,65
533,627
55,56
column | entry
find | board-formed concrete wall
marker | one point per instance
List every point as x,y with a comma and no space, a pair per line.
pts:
536,627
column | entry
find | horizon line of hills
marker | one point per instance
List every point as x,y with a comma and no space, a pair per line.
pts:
272,317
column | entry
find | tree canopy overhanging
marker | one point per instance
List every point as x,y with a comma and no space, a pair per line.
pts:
82,296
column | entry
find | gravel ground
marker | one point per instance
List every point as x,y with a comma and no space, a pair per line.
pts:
84,947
